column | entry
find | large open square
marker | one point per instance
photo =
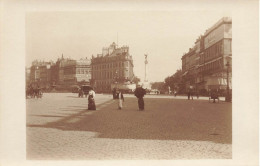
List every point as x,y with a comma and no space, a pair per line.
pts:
61,49
59,127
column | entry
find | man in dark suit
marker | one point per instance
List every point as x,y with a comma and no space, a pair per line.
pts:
139,93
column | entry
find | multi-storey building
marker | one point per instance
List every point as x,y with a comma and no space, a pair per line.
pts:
113,65
83,70
75,71
40,73
189,65
55,73
63,72
60,69
205,65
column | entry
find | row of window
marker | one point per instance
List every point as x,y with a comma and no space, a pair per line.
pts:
108,74
83,71
78,71
111,65
123,56
213,65
214,51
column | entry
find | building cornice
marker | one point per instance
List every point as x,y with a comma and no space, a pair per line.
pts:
224,20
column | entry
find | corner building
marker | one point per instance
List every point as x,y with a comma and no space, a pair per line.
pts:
113,65
206,67
217,53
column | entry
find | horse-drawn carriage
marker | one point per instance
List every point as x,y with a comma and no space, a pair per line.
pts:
214,95
32,92
84,90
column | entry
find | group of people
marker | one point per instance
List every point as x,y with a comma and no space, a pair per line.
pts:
118,95
191,93
139,93
213,94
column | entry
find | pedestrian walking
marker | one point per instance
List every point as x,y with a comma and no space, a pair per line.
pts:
175,93
120,98
191,94
139,93
91,100
81,93
215,95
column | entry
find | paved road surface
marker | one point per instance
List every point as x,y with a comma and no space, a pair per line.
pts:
59,126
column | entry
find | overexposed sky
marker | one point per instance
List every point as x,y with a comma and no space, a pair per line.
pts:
163,35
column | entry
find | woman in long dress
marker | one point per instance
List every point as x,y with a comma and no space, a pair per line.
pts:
120,99
91,100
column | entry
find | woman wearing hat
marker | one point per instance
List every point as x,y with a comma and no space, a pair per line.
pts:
91,100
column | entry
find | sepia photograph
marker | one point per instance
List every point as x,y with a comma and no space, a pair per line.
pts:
128,85
123,82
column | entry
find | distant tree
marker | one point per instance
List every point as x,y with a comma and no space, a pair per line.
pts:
175,82
179,83
158,85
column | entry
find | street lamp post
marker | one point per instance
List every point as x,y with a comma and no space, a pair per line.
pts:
228,99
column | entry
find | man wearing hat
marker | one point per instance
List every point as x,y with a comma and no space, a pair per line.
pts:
139,93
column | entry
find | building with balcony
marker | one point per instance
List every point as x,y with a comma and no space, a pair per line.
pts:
205,65
113,65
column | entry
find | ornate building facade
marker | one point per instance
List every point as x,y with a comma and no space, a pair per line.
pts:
205,65
113,65
64,72
75,71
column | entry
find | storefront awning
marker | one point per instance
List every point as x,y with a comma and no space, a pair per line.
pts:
218,82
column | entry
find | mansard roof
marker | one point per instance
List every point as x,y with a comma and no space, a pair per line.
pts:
118,51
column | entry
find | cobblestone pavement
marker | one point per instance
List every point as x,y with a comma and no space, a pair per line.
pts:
60,127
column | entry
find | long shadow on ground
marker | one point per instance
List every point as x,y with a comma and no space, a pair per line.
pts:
163,119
